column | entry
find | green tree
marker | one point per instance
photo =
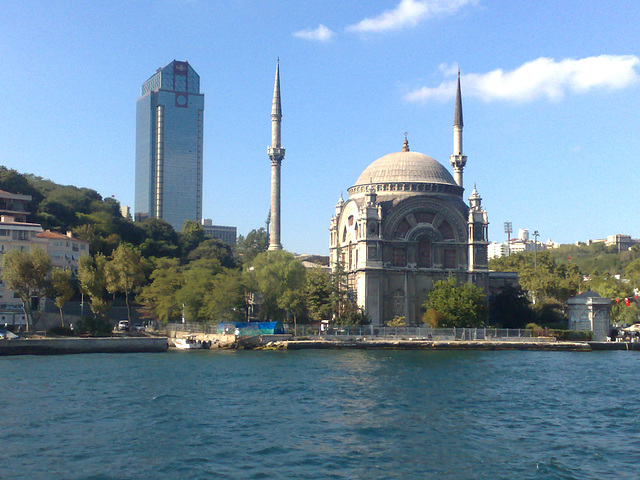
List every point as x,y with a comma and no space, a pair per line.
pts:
161,240
510,308
294,303
546,281
623,315
461,305
247,248
352,315
632,273
191,236
318,294
340,295
124,273
225,300
26,273
92,281
87,233
271,274
198,280
215,249
60,289
158,298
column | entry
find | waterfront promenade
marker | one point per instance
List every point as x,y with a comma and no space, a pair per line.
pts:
53,346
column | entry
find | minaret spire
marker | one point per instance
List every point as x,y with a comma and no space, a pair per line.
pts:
457,116
276,155
458,159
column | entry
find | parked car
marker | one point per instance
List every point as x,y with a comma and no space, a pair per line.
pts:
123,325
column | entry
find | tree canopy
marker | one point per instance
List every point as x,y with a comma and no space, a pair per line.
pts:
247,248
459,305
26,273
271,274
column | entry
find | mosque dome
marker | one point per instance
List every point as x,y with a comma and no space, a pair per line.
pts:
405,167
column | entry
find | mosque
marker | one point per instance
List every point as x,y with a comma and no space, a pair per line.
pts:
405,226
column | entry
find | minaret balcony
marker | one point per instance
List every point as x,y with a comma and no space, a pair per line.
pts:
275,153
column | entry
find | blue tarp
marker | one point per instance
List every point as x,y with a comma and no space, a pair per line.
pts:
251,328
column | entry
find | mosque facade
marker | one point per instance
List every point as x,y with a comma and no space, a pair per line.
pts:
405,226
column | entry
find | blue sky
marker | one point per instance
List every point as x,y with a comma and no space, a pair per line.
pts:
551,98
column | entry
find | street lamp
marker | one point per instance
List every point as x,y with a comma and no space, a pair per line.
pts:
535,248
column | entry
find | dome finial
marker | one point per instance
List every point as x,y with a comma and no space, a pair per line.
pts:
405,146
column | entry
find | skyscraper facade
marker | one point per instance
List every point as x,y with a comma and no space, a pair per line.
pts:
169,127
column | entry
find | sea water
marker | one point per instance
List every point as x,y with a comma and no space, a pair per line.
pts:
321,414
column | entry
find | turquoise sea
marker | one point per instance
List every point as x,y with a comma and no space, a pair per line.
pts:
321,415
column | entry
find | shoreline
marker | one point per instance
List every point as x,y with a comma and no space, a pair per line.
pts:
60,346
483,345
487,345
72,345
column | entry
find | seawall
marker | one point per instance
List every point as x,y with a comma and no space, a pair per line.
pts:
430,345
53,346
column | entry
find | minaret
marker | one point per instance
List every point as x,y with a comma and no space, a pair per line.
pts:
458,160
276,155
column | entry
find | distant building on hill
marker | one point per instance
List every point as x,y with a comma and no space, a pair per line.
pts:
522,243
621,242
14,205
125,211
169,132
497,250
227,234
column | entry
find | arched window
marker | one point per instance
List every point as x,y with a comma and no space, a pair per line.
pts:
446,231
344,234
424,217
402,229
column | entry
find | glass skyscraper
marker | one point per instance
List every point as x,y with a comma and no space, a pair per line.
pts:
169,120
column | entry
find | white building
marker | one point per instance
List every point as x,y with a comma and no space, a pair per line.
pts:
15,233
497,250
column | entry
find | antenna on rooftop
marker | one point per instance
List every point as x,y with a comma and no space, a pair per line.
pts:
508,230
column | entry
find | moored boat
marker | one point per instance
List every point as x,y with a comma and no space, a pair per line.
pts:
189,343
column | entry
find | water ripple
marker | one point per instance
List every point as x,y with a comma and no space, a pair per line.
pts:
319,415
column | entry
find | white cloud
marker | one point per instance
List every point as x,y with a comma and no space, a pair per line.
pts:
408,13
543,77
320,34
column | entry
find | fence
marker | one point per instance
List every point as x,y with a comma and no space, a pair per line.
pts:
425,333
205,328
422,333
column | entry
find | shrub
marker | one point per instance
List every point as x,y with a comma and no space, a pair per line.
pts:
572,335
396,322
432,318
536,330
97,326
61,331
